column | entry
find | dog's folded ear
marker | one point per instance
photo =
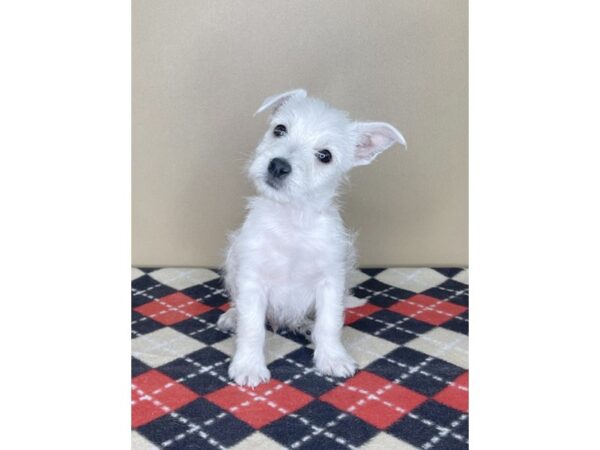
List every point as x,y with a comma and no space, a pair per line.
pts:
276,101
373,139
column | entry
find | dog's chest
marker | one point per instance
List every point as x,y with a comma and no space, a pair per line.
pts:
293,248
296,252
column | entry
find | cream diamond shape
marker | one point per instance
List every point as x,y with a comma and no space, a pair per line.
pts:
415,280
356,277
181,278
163,346
136,273
444,344
462,277
276,346
384,441
257,441
139,442
365,348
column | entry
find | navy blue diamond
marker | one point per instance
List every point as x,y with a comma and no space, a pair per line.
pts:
454,285
289,430
460,326
212,316
354,430
320,442
313,384
215,284
392,326
448,271
423,384
207,333
302,373
390,297
403,370
163,429
443,369
149,269
368,325
462,299
143,283
416,432
211,336
449,443
282,369
372,271
196,413
303,356
196,376
207,295
438,413
370,287
463,428
222,426
407,356
205,383
146,289
207,356
451,290
386,369
142,324
412,430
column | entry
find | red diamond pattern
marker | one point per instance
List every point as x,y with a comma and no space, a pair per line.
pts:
428,309
154,394
173,308
354,314
263,404
457,395
359,396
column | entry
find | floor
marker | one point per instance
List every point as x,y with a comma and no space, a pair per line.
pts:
410,341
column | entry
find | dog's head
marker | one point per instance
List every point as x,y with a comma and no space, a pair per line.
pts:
309,146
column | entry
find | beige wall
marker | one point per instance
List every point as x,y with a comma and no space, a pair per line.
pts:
200,70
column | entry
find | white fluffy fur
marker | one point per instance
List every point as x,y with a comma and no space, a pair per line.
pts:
289,261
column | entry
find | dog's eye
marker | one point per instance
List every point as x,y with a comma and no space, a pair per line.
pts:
279,130
324,156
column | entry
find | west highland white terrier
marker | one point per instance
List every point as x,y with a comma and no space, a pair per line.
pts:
289,262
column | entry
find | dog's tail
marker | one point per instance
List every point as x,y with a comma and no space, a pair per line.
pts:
350,301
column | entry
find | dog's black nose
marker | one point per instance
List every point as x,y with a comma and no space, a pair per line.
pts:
279,168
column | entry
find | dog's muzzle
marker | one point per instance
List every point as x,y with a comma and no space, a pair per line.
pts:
278,169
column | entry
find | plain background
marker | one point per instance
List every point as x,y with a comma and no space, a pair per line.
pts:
201,69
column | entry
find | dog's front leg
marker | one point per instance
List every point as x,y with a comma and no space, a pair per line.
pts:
331,358
248,365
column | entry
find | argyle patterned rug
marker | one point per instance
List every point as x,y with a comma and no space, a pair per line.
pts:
409,340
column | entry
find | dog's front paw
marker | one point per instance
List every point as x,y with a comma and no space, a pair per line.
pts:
246,373
338,364
227,320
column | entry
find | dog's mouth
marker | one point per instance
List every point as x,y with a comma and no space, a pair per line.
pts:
273,182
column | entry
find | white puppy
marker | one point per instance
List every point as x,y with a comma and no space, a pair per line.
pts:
289,262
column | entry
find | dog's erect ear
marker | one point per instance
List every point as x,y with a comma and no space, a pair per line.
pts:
276,101
373,139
